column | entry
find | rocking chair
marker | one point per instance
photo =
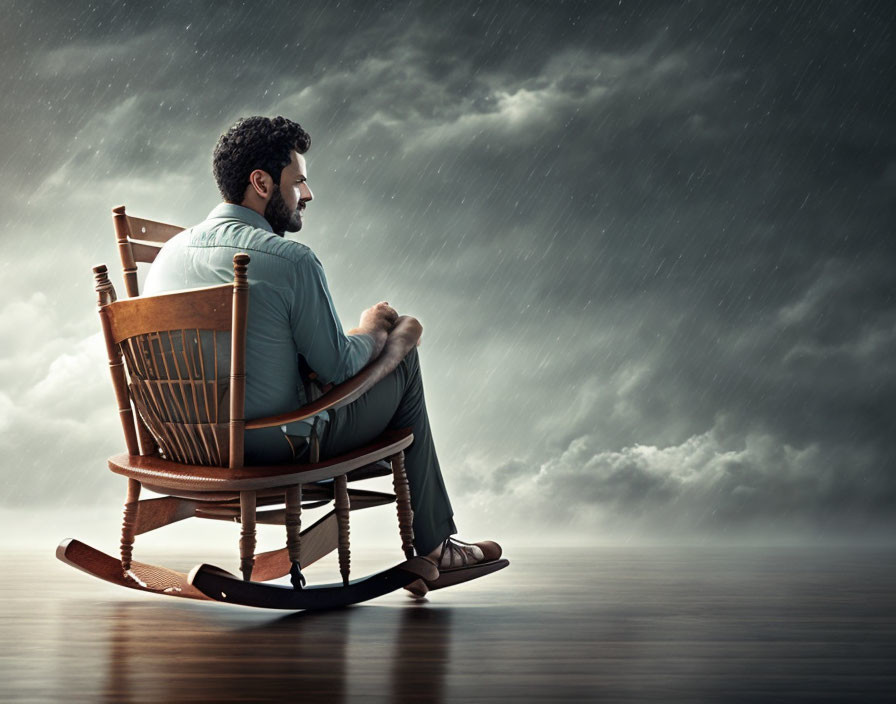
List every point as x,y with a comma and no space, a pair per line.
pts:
172,362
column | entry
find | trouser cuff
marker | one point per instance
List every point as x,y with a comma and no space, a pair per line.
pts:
428,537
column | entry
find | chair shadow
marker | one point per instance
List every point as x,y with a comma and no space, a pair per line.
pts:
174,654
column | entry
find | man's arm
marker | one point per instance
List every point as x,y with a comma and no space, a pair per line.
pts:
332,354
318,333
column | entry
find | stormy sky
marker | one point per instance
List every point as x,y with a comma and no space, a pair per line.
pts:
651,244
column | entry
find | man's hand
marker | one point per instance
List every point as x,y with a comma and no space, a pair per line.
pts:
382,316
377,321
401,340
406,334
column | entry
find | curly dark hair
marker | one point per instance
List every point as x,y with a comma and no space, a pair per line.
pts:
255,143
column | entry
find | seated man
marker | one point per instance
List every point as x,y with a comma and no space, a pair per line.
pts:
293,327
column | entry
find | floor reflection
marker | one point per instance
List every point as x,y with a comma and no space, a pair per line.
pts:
173,654
710,624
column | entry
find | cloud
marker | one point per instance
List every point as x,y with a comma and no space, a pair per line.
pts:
57,413
717,483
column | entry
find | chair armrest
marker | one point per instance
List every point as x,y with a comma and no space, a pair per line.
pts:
340,395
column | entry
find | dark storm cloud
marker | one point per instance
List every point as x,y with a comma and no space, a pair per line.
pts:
625,226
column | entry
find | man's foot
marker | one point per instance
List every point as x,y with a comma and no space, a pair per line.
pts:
459,561
457,553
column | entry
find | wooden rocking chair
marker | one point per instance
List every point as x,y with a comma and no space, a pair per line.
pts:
171,361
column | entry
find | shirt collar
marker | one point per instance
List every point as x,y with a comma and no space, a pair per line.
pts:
232,211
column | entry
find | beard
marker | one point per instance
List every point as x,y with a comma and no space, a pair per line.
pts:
280,217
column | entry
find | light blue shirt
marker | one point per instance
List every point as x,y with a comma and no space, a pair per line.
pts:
291,313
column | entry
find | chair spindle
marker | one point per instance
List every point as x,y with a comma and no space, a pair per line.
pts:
129,524
105,295
247,533
238,359
128,264
343,506
403,504
293,522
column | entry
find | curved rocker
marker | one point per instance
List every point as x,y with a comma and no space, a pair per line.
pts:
214,583
143,577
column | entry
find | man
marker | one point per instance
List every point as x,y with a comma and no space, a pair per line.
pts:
293,328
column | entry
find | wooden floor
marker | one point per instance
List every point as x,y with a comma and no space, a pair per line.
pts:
618,624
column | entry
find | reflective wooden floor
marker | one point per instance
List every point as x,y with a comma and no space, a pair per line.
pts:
622,624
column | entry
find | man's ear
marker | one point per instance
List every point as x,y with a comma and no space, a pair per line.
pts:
261,183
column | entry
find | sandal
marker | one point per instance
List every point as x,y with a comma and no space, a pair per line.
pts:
458,562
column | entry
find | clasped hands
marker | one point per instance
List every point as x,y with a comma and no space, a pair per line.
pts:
393,335
383,317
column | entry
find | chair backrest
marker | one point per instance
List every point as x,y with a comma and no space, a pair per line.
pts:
138,240
180,359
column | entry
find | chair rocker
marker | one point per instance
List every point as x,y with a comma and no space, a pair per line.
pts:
172,362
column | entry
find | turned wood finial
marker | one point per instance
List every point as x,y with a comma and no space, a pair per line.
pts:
105,291
240,268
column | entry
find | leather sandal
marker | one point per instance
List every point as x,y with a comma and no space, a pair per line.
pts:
458,562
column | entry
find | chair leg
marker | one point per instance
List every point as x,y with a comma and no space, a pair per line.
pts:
129,524
403,504
294,534
343,506
247,533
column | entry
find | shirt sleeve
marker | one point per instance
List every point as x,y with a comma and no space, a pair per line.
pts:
317,330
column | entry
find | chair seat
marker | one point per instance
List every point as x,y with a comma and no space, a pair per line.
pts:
162,475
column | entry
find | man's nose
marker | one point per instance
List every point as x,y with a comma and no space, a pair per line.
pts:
305,193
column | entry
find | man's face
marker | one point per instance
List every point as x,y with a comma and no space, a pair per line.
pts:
287,204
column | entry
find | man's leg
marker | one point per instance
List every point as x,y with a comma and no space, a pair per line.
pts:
397,402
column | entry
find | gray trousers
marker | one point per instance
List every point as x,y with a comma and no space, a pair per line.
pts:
397,402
